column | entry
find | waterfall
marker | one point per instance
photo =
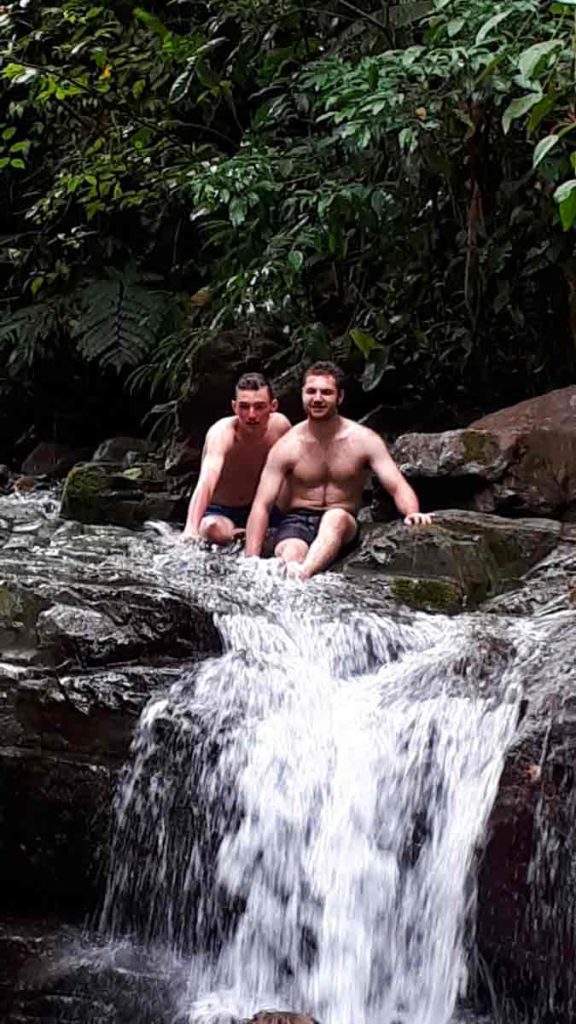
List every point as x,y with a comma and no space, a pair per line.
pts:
301,815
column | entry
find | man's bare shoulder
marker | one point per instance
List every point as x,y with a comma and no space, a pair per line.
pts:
221,433
290,440
279,424
364,437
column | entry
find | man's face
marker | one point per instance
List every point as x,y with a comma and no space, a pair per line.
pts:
320,397
253,409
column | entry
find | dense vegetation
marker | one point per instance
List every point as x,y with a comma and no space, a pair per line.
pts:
392,184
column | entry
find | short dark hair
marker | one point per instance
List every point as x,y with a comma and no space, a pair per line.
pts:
253,382
326,369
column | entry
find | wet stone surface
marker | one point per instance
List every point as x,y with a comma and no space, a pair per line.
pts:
88,632
94,621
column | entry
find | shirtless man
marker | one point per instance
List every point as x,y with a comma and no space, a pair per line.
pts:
324,460
234,453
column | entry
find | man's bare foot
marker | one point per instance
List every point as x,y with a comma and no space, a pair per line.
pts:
296,571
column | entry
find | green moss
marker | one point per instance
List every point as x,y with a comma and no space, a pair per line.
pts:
10,606
427,594
85,493
479,446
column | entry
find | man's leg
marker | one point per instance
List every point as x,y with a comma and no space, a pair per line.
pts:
218,529
337,527
291,550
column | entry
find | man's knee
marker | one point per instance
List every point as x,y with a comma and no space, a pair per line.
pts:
339,522
291,550
216,529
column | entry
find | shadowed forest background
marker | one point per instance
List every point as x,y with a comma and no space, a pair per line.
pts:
192,189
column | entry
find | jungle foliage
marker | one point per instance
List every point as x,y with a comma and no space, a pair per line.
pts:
393,184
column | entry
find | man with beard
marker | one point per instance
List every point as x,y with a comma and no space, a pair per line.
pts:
235,451
323,461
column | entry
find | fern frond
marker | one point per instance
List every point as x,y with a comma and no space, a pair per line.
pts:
25,334
120,320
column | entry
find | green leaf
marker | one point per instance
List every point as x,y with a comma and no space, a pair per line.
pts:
543,107
365,342
453,27
530,60
18,163
490,24
565,196
237,211
543,148
180,86
151,22
519,106
8,133
375,369
295,259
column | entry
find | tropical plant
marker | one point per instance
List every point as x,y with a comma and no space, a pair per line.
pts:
393,184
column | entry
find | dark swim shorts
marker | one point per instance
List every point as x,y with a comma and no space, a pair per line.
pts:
239,514
303,524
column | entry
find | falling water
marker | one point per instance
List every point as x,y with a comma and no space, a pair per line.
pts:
301,815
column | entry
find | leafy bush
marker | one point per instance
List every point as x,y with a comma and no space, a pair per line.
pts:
393,184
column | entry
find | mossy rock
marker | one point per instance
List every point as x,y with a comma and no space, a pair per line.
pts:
85,492
428,595
480,447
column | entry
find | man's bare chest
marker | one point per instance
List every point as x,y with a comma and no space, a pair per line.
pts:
246,459
335,463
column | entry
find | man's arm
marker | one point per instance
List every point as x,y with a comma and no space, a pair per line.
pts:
395,483
273,476
217,444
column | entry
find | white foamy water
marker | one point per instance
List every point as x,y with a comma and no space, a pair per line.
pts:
301,815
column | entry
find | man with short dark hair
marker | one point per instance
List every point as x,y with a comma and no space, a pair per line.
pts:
234,454
323,460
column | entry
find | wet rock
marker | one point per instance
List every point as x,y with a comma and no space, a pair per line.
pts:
52,460
55,976
459,561
554,410
84,643
526,926
115,449
183,457
519,461
96,494
280,1017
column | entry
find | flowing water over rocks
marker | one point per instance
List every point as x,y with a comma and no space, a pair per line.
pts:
299,821
301,815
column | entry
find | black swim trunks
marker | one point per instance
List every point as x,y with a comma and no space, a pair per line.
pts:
239,514
303,524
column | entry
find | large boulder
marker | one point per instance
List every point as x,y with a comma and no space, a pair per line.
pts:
458,562
84,643
51,459
96,493
519,461
526,925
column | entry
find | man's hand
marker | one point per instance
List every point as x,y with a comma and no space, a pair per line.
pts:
188,536
418,519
